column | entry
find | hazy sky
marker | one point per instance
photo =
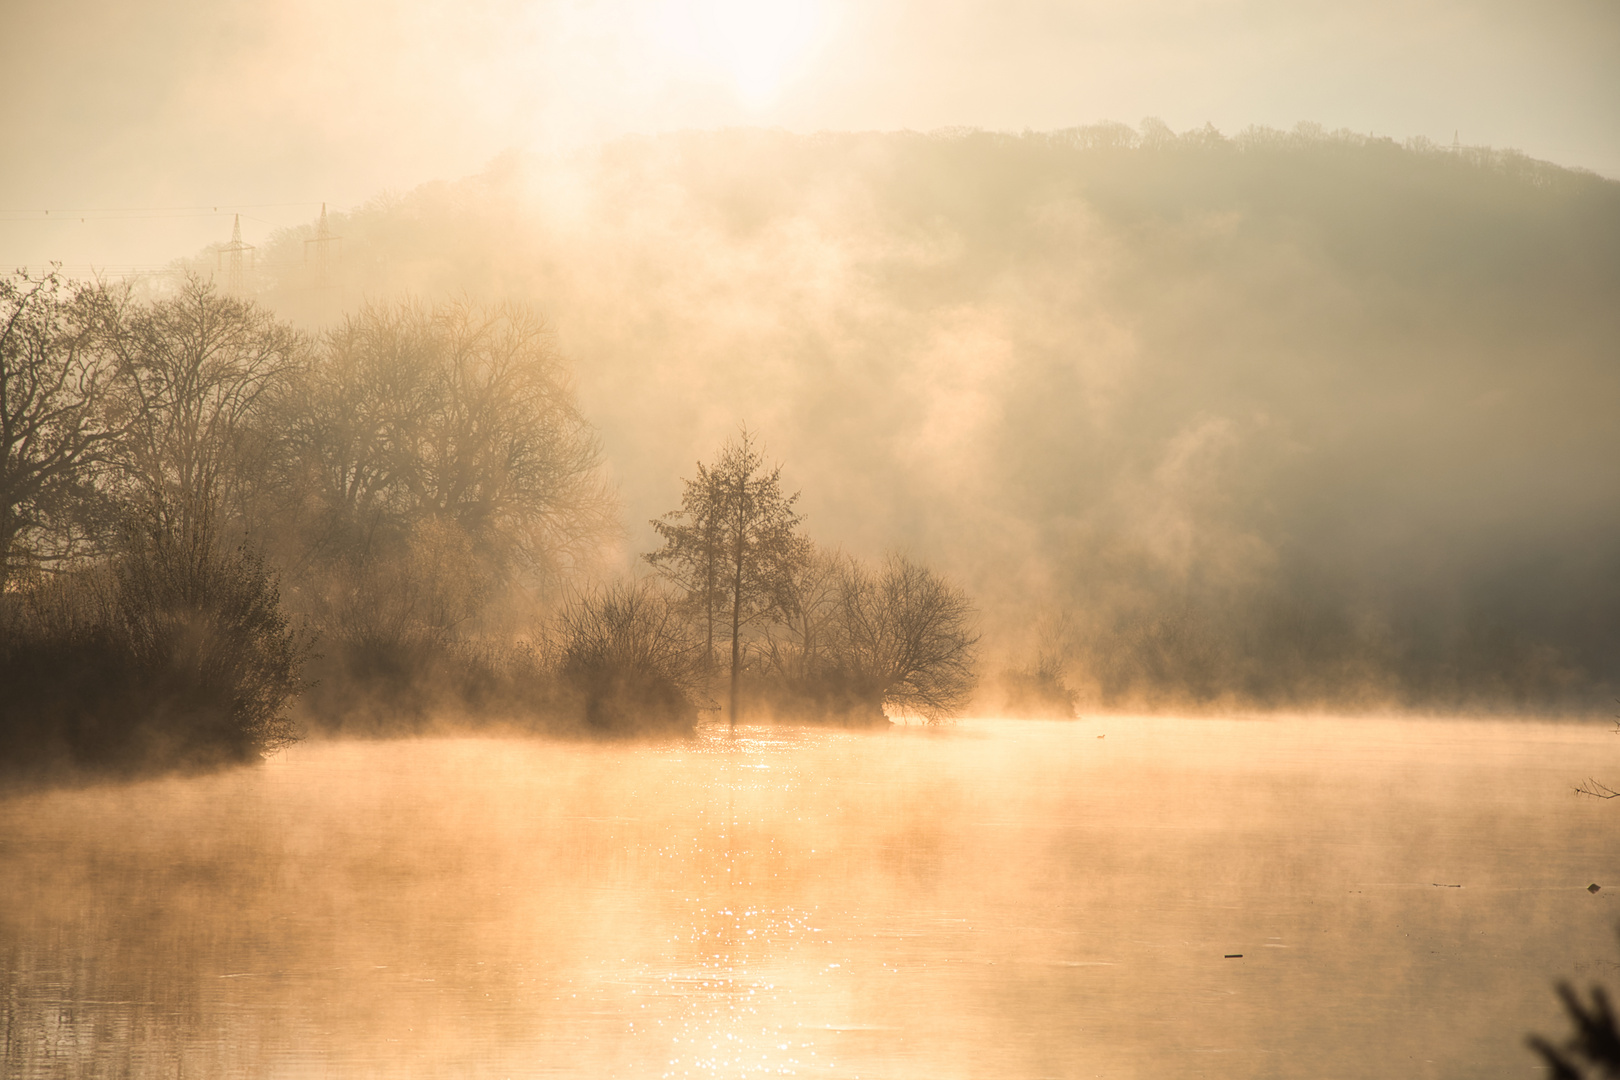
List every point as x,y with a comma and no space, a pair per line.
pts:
270,108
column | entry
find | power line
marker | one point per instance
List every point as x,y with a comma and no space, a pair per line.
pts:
64,217
236,277
229,208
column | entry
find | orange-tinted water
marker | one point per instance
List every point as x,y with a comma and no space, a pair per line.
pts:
994,899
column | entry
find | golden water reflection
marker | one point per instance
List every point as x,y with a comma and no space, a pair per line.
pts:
994,899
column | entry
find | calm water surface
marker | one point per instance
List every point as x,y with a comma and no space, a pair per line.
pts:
994,899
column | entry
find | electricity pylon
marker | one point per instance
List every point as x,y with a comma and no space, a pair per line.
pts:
234,282
323,240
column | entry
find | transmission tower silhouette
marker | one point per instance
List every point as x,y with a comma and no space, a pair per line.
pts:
235,282
323,241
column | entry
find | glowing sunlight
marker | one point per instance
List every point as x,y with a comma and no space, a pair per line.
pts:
753,46
887,539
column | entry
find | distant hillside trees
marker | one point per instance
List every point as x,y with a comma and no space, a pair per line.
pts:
1300,419
813,634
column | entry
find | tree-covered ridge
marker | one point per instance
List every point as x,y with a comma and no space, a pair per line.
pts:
1277,417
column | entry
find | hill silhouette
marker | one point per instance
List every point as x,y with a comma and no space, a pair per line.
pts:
1286,419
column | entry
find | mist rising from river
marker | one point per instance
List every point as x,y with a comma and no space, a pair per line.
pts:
993,899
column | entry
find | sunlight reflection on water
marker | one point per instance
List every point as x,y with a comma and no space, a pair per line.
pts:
996,898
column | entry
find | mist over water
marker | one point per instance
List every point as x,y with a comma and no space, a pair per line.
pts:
1281,419
580,373
998,898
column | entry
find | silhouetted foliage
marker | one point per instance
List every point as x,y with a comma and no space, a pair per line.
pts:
628,659
693,556
906,638
378,687
171,649
813,634
174,654
732,544
211,622
430,463
56,427
174,459
800,654
454,413
1593,1050
198,370
853,641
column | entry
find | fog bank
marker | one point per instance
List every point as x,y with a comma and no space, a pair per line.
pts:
1303,418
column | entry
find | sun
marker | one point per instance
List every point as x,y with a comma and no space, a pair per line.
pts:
754,46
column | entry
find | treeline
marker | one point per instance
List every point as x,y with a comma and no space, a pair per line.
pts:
215,528
748,617
204,513
1273,419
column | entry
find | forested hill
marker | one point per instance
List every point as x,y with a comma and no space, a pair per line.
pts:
1283,418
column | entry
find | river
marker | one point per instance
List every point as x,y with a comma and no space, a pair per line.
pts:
1112,897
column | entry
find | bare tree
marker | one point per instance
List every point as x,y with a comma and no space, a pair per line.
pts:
178,647
333,464
801,650
196,368
907,638
733,542
505,452
454,413
55,429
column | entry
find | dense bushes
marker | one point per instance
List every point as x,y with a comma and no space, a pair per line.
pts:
626,660
169,654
